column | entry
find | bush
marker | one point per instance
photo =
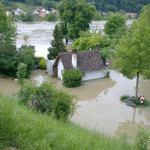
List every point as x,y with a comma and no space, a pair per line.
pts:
142,139
21,74
47,98
124,97
51,17
43,63
72,78
37,60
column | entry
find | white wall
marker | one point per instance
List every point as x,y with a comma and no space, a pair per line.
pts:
96,74
49,66
60,68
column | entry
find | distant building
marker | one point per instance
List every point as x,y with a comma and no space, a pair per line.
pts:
18,11
132,15
42,14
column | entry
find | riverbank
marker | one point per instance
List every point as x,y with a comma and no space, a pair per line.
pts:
24,128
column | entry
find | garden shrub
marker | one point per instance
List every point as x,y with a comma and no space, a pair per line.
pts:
43,63
124,97
142,139
37,60
47,98
72,78
21,73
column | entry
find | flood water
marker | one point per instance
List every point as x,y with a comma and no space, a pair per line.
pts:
99,105
40,34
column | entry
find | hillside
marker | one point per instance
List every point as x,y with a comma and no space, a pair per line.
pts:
101,5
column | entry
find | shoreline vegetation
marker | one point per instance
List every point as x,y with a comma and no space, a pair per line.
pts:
25,128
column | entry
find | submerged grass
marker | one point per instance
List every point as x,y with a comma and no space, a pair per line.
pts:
27,129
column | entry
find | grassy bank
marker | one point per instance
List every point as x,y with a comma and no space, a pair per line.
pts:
24,128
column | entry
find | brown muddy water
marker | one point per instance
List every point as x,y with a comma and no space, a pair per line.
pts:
99,105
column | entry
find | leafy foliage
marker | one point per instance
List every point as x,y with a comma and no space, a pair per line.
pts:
57,44
8,59
7,28
26,55
37,60
72,78
142,139
51,17
21,73
115,22
133,51
95,40
43,64
76,15
47,98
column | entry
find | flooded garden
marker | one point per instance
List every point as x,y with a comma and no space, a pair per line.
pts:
98,101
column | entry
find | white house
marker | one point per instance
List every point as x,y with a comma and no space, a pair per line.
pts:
89,62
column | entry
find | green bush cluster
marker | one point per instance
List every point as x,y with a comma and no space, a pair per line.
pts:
26,129
124,97
72,78
37,60
42,63
142,139
10,59
47,98
51,17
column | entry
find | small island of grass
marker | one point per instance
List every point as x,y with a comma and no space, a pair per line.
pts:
130,100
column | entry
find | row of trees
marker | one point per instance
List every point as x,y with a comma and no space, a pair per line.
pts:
101,5
116,5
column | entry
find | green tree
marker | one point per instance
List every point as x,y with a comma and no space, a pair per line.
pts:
26,55
133,52
7,28
21,73
51,17
77,15
94,40
57,44
115,22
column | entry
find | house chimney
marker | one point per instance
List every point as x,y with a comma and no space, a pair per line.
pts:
74,58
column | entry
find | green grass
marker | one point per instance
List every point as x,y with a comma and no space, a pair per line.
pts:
27,129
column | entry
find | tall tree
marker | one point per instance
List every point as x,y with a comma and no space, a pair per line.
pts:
115,22
76,15
133,52
57,44
7,28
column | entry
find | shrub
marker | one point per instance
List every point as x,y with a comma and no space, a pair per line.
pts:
43,63
142,139
37,60
47,98
51,17
124,97
72,78
21,74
